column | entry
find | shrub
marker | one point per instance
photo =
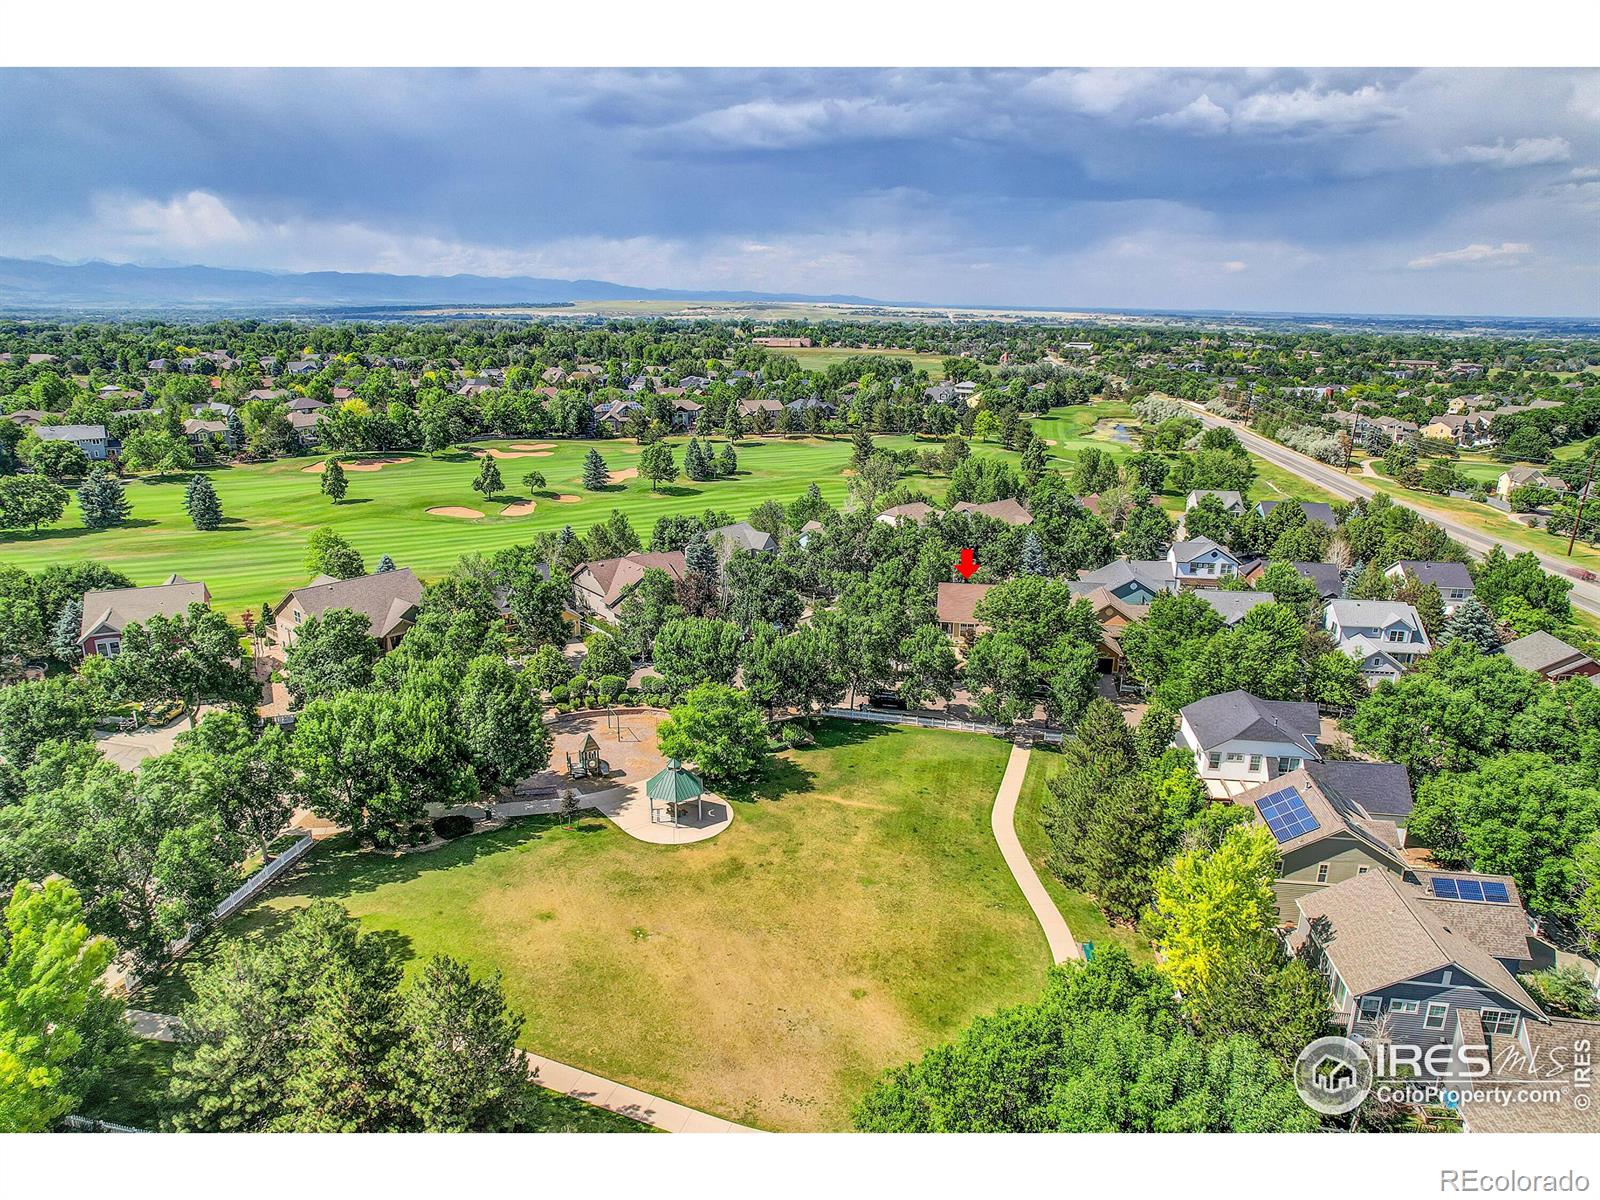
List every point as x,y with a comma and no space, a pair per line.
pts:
453,826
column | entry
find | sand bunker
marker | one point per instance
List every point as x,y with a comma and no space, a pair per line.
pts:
533,445
625,474
567,498
494,453
520,509
359,464
451,510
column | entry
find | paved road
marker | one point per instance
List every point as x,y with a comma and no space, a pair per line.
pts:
1349,487
1004,822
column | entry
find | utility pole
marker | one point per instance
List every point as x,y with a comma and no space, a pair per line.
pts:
1583,496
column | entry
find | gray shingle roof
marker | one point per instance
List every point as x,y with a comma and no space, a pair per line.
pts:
114,609
1440,574
1232,606
1382,789
1543,651
1238,714
385,599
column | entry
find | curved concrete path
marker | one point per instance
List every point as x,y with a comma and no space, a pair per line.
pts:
667,1115
1063,945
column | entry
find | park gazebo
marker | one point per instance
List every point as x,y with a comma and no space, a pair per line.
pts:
673,786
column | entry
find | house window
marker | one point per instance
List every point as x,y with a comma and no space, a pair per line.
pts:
1322,872
1371,1007
1255,763
1235,757
1340,992
1395,635
1362,870
1404,1007
1214,759
1438,1010
1285,765
1498,1020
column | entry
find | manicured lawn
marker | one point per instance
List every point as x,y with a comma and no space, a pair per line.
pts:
818,358
1083,916
271,508
1491,522
856,913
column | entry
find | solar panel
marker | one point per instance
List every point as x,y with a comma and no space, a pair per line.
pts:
1286,814
1477,891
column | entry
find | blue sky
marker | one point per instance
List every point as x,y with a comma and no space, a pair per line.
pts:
1442,191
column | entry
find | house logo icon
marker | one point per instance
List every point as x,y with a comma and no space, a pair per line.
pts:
1333,1075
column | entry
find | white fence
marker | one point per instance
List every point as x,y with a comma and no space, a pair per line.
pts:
883,717
247,889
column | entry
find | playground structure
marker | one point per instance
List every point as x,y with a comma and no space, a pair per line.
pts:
589,764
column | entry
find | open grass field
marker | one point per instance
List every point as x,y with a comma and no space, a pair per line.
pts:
271,508
816,358
1084,918
856,912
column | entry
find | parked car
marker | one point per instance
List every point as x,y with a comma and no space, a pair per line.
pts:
886,700
1583,573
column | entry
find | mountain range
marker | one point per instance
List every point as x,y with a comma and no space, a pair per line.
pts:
50,284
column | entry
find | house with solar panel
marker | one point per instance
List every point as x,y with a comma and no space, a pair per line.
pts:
1324,836
1416,953
1240,741
1384,636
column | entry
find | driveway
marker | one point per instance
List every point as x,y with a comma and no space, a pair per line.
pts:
128,750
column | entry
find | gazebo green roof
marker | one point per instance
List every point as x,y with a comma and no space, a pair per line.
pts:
672,784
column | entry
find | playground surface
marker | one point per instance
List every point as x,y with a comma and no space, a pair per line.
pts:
626,740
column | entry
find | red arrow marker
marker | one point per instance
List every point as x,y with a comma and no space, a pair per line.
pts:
968,566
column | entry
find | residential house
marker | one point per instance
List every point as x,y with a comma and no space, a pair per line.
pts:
1547,655
1381,790
305,424
26,416
1549,1063
304,404
1316,512
1239,740
1466,430
1232,606
749,407
599,587
107,613
685,412
1384,636
388,599
741,536
1327,577
1232,502
1323,838
1452,579
91,439
1416,955
916,512
956,607
1114,616
1009,511
197,431
1510,480
1200,562
1133,581
615,414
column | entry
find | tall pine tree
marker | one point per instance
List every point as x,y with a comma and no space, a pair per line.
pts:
1471,622
595,473
101,500
200,501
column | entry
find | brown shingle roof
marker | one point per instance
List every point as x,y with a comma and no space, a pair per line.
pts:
386,599
616,575
957,603
113,610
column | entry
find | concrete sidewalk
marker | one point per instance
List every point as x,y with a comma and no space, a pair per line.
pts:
1063,945
667,1115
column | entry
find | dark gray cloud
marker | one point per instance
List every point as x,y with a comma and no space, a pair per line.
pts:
1260,189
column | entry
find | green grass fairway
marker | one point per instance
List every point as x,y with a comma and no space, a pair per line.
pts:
856,913
817,358
1084,918
271,508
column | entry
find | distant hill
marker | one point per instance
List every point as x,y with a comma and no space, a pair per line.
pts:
38,284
